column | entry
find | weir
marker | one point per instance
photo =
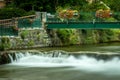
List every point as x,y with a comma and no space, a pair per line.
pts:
83,60
103,64
16,56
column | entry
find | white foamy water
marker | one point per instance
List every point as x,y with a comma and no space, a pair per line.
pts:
80,63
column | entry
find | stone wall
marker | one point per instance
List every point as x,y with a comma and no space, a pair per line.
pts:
29,38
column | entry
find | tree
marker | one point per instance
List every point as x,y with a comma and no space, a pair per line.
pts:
6,13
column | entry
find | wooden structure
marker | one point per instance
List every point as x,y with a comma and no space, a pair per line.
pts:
2,3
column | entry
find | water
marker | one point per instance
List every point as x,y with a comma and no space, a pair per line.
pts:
61,66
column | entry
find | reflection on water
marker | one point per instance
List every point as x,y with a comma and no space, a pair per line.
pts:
64,73
63,67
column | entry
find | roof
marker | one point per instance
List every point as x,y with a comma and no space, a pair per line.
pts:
5,0
1,0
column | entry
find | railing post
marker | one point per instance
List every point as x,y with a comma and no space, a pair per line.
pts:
15,23
0,29
94,24
44,16
44,19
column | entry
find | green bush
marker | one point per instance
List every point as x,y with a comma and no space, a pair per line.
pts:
24,34
30,43
2,48
7,13
5,43
64,36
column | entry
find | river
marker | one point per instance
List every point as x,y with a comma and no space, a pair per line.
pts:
65,67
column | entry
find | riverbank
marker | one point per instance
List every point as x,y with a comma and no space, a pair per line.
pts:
101,51
73,48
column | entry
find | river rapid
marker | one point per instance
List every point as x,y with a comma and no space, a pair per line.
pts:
64,66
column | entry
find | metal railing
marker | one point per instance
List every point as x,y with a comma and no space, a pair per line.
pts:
11,26
86,17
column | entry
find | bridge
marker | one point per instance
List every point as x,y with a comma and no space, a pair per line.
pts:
11,27
85,21
83,25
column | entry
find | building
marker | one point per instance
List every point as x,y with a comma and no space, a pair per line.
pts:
3,3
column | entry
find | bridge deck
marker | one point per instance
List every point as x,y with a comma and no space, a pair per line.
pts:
83,25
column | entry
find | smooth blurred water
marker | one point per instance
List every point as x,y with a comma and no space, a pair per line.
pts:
62,67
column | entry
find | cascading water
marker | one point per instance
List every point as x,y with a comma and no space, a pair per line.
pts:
41,60
91,63
57,59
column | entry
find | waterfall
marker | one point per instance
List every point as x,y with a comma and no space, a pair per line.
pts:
62,59
51,54
11,59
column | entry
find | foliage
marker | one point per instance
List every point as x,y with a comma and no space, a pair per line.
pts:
30,43
47,5
86,16
6,13
74,37
107,35
110,19
114,5
64,36
30,13
28,7
2,47
23,34
103,13
5,43
68,14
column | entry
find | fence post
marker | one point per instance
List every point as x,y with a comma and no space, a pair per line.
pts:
94,23
1,30
44,18
15,23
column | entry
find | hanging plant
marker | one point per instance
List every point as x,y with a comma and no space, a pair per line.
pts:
99,13
62,14
103,13
68,14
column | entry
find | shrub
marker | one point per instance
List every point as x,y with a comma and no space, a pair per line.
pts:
7,13
24,34
64,36
30,43
5,43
